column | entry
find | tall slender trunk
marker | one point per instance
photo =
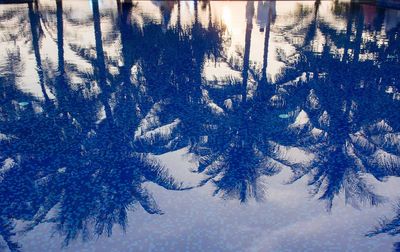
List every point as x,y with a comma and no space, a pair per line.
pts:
266,45
263,86
316,8
209,15
359,32
101,65
348,34
126,41
198,55
119,7
246,57
179,22
196,12
60,79
60,38
35,30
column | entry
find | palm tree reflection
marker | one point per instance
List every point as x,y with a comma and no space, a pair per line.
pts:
341,127
82,159
242,148
390,227
7,232
78,173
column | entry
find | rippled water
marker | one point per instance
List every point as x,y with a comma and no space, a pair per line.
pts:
199,126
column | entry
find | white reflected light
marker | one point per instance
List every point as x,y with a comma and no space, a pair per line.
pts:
227,16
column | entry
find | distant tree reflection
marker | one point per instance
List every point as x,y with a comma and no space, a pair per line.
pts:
390,227
70,168
242,148
341,126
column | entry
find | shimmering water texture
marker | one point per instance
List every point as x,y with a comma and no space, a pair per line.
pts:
199,126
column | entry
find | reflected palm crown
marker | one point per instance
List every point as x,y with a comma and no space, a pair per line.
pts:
345,128
79,171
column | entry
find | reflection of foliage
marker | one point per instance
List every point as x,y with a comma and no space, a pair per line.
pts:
389,226
15,21
96,180
239,149
11,98
236,156
6,232
78,171
173,79
341,127
81,160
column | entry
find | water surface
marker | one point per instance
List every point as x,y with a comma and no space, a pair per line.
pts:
199,126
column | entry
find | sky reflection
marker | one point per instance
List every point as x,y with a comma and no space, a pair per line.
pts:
198,125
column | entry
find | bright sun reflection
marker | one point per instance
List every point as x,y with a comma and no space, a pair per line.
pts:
227,16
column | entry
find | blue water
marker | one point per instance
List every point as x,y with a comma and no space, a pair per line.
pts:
199,126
